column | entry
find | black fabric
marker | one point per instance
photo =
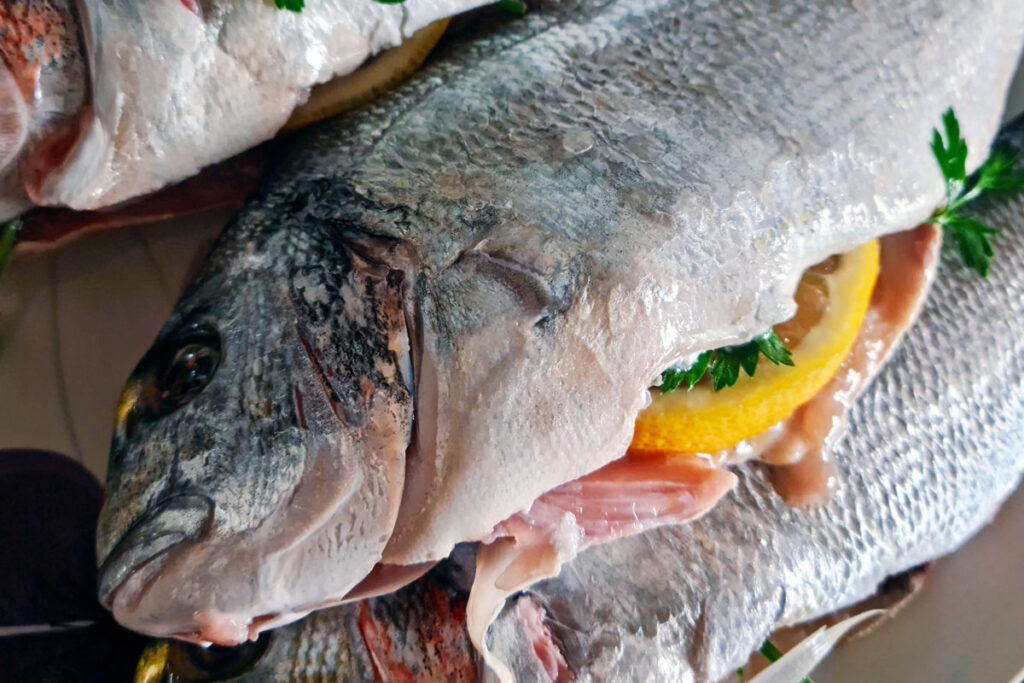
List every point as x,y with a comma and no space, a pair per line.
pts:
48,510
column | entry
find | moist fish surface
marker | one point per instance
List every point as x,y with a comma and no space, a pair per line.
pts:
417,633
515,244
43,74
113,99
932,449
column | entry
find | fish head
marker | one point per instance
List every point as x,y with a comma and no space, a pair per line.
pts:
261,439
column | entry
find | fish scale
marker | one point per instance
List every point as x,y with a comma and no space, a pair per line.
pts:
932,449
547,217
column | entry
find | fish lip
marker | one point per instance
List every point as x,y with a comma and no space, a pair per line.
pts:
170,522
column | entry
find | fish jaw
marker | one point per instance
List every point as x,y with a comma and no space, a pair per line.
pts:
206,586
213,534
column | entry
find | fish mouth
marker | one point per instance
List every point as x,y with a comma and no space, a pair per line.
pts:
143,550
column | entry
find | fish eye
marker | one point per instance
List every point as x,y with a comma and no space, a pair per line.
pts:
191,369
184,367
171,374
186,662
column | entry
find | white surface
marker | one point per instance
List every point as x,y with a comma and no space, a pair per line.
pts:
74,322
967,624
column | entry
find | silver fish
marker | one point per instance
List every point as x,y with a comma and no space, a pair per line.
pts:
943,424
172,85
934,447
519,241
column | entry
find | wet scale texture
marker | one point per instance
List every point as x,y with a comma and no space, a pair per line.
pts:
541,222
934,446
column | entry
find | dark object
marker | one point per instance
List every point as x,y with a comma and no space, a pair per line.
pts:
48,510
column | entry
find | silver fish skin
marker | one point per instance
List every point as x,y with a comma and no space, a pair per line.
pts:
422,627
176,85
548,217
304,478
933,448
43,76
415,634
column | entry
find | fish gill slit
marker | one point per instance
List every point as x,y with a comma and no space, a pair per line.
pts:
300,411
332,400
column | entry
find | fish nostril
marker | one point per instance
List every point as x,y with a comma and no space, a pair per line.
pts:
168,523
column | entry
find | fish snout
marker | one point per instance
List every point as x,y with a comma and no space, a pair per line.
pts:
143,550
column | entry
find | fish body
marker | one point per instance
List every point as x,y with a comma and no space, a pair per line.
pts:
516,244
163,88
932,448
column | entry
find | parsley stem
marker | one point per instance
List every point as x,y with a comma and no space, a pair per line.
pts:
774,654
8,233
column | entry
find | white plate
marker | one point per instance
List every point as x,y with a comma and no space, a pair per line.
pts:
74,322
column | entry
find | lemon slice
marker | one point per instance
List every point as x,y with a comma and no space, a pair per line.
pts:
152,666
831,302
379,75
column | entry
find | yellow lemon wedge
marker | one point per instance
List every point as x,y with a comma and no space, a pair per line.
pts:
152,666
832,299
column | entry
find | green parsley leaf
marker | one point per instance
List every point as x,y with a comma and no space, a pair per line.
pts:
774,349
972,240
998,173
725,368
290,5
673,378
952,156
771,653
8,234
774,654
512,6
725,363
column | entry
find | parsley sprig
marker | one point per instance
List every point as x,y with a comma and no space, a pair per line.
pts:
8,234
290,5
725,363
973,238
